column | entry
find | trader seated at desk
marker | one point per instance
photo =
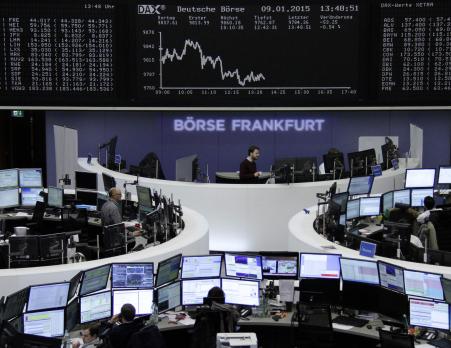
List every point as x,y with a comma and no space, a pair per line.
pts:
427,228
90,337
110,213
248,168
123,326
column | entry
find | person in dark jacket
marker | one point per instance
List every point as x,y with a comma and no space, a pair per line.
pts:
119,335
248,168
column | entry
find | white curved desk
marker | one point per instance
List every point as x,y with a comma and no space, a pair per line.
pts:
193,240
247,217
303,237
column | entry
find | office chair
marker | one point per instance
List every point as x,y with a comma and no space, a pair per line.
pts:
37,219
147,337
315,326
52,249
24,251
395,340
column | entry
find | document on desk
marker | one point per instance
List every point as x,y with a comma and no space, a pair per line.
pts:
341,326
21,214
187,321
286,290
423,345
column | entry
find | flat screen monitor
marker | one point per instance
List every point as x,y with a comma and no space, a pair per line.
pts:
94,279
429,314
132,275
418,195
29,196
417,178
30,177
15,304
44,323
194,290
101,200
444,175
361,185
423,284
108,182
55,197
206,266
9,198
168,270
370,206
86,181
241,292
169,296
391,276
401,196
95,307
342,220
446,286
393,304
141,299
359,271
48,296
280,265
88,198
320,266
144,196
341,199
360,295
72,315
353,209
387,201
9,178
243,266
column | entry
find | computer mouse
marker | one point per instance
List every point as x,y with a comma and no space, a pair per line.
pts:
369,327
275,317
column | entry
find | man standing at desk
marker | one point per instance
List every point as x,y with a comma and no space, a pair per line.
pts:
248,168
110,213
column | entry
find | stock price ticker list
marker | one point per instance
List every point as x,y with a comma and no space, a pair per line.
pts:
57,51
236,55
415,50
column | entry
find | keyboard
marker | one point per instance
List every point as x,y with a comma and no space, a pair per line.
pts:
358,227
441,343
350,321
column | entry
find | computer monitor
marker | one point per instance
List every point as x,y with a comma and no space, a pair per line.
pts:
243,266
361,185
444,175
333,160
55,197
141,299
15,304
108,182
47,296
168,270
401,196
341,199
393,304
391,276
342,220
101,200
417,178
446,286
74,282
418,195
194,290
88,198
360,296
144,196
44,323
86,181
186,168
353,209
241,292
423,284
9,178
9,198
30,177
132,275
29,196
429,314
168,296
95,307
205,266
94,279
387,201
370,206
72,315
359,271
320,266
280,265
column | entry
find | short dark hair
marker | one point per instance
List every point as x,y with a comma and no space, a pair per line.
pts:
128,312
94,330
429,203
216,294
252,148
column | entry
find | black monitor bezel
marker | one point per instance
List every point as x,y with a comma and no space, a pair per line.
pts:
247,255
200,277
282,254
132,287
